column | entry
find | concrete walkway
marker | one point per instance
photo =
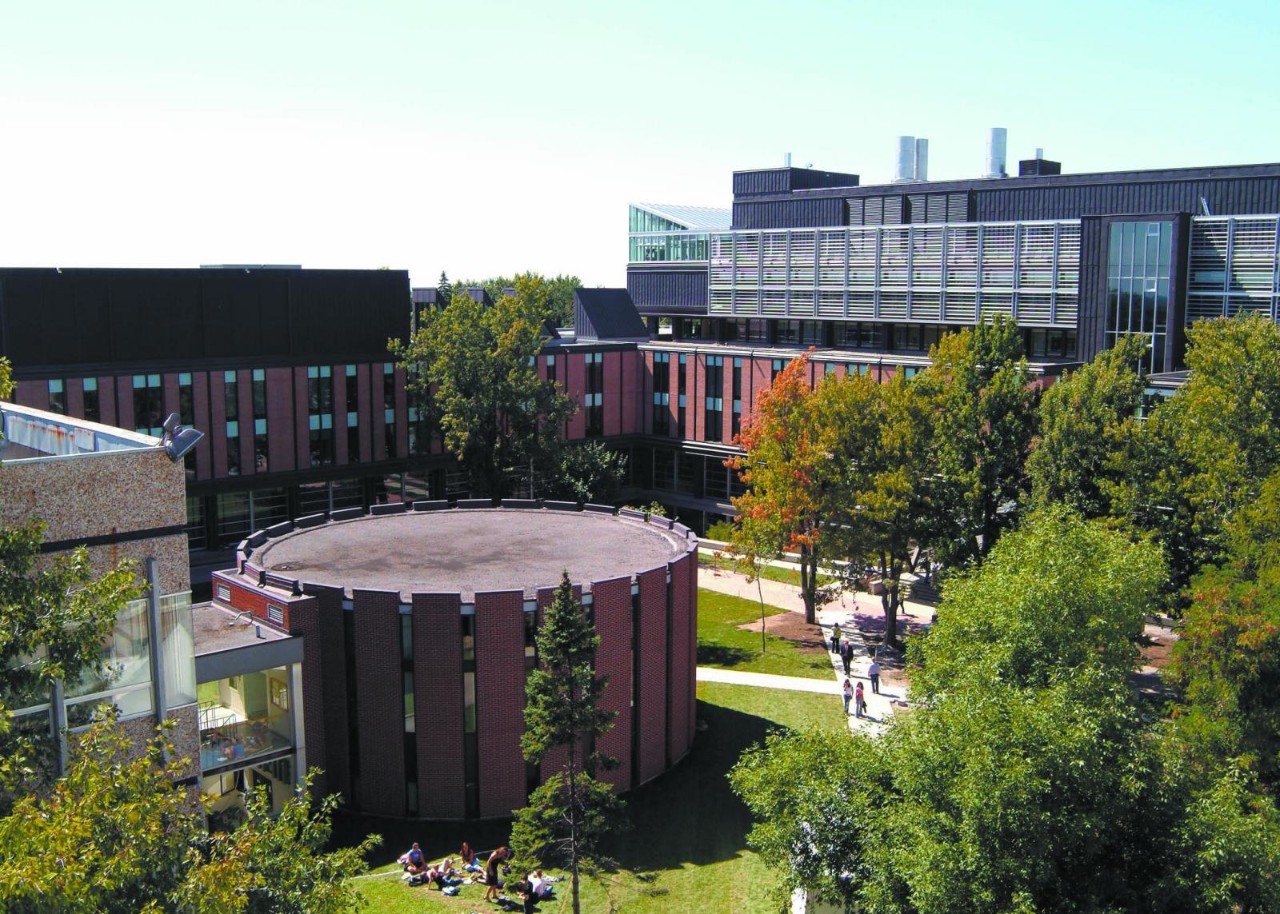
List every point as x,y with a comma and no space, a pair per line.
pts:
851,611
767,681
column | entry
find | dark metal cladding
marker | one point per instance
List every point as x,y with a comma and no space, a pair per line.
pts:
808,203
792,212
668,291
785,180
606,314
190,317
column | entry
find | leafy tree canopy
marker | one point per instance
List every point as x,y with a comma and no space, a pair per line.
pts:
556,295
472,369
1081,417
1027,779
980,391
117,834
1206,452
1062,594
792,482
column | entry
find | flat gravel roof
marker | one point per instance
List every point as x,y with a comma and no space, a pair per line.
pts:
469,551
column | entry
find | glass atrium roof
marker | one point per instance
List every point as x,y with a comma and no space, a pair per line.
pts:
693,218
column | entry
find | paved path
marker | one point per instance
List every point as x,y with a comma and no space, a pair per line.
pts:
767,680
880,708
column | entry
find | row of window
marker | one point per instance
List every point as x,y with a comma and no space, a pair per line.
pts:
149,407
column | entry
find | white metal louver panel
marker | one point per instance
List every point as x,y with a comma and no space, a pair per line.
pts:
1035,257
1066,308
1253,257
863,244
1068,276
893,304
862,303
720,301
895,254
1034,308
1209,254
802,264
774,303
999,245
832,252
959,307
926,304
831,303
962,258
996,303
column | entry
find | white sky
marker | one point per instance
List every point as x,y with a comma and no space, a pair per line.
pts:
490,137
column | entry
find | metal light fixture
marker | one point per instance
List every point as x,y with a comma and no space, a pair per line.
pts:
178,439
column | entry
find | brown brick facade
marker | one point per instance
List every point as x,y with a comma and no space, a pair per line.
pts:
356,688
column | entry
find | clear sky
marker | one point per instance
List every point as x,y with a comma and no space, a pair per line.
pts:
486,137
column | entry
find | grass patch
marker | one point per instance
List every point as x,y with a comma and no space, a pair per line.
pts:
722,644
768,572
685,847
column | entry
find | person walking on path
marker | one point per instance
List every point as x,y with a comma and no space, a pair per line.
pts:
860,703
846,654
873,672
847,691
835,638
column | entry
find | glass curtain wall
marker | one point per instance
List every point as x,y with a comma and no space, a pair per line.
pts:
1138,268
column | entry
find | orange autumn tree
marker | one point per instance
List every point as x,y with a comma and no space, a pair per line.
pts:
790,477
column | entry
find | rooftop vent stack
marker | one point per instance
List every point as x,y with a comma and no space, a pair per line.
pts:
786,160
922,159
996,143
1039,152
906,167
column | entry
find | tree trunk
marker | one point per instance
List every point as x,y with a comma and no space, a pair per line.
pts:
889,598
573,823
809,582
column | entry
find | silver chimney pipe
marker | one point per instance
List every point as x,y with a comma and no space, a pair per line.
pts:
905,168
922,159
997,140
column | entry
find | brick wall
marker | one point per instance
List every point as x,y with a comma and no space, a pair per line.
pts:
500,700
651,692
248,598
557,758
324,682
437,683
682,670
379,702
612,605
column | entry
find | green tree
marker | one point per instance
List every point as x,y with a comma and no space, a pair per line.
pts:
1027,778
571,811
1206,452
444,288
118,834
984,404
6,379
791,480
55,617
1226,662
472,370
879,494
1081,416
588,472
557,292
1062,594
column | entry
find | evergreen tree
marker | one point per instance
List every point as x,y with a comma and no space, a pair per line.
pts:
444,289
569,813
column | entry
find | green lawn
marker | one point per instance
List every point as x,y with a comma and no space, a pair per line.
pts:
722,644
685,845
768,572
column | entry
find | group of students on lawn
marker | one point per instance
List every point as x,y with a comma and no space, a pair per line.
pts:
449,875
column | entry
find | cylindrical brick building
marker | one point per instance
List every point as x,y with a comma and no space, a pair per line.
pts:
418,627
